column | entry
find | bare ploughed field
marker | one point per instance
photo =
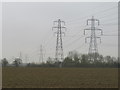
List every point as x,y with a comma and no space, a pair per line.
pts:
36,77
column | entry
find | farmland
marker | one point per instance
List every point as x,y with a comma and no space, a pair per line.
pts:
29,77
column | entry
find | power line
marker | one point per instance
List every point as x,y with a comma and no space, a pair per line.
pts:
110,35
79,46
73,42
99,12
76,34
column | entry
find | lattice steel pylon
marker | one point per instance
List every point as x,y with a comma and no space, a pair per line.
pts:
41,54
93,49
59,44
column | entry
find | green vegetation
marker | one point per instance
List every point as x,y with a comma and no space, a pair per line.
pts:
73,59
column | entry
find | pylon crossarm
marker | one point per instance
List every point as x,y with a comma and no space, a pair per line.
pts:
54,33
99,30
63,22
97,21
99,38
86,29
63,33
55,22
64,28
54,27
88,21
86,39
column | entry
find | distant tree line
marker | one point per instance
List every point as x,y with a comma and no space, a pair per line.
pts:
73,59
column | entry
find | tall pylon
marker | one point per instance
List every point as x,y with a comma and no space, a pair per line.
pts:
20,55
59,45
93,49
26,58
41,54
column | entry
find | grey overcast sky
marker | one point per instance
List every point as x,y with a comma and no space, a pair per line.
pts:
27,25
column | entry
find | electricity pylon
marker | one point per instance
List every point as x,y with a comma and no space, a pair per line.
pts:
20,55
59,45
93,49
41,54
26,58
